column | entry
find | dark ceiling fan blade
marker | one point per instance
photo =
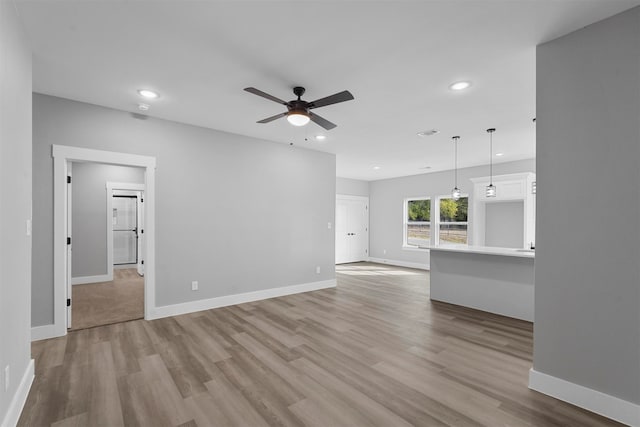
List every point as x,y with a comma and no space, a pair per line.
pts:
321,121
272,118
345,95
258,92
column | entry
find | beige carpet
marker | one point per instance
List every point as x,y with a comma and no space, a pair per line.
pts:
96,304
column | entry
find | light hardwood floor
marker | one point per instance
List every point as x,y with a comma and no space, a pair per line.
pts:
374,351
97,304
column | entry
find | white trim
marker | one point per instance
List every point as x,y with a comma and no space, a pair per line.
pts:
43,332
128,186
416,265
100,156
224,301
83,280
20,398
63,154
592,400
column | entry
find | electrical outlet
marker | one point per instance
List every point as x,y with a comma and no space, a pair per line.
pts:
384,252
6,378
194,285
318,270
329,225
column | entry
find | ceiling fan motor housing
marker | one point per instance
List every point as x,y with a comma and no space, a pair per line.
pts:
298,91
296,106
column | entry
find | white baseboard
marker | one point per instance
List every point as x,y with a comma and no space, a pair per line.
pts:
589,399
417,265
45,332
206,304
20,398
91,279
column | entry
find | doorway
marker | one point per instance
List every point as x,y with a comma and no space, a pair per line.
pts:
106,234
352,229
63,157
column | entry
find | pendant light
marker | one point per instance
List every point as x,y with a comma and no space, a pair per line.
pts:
455,193
491,189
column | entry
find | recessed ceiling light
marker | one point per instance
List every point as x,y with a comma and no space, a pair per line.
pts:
149,94
429,132
499,154
460,85
376,168
320,137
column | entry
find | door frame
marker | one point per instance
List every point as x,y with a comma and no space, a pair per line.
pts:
124,186
62,156
364,199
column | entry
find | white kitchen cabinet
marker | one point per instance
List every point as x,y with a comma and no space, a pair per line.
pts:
510,189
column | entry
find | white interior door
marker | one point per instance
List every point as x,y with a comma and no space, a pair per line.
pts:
352,229
140,201
68,193
342,231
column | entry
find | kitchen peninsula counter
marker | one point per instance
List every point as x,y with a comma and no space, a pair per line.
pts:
496,280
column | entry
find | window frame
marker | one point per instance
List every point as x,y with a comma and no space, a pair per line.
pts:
405,223
438,223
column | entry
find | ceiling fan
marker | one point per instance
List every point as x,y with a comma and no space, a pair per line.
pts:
298,113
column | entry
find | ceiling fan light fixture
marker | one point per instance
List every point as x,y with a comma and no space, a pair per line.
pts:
298,118
298,113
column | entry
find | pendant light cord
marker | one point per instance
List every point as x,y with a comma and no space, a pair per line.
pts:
455,140
491,158
491,131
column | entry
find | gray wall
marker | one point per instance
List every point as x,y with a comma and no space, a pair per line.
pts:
587,298
15,203
89,217
504,224
235,213
386,199
352,187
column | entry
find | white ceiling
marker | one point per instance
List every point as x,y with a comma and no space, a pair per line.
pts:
396,57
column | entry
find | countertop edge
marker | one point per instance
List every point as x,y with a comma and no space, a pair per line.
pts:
485,250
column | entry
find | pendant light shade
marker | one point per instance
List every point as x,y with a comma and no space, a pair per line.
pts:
455,193
491,189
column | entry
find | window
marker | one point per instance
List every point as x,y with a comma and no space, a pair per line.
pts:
452,224
417,223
